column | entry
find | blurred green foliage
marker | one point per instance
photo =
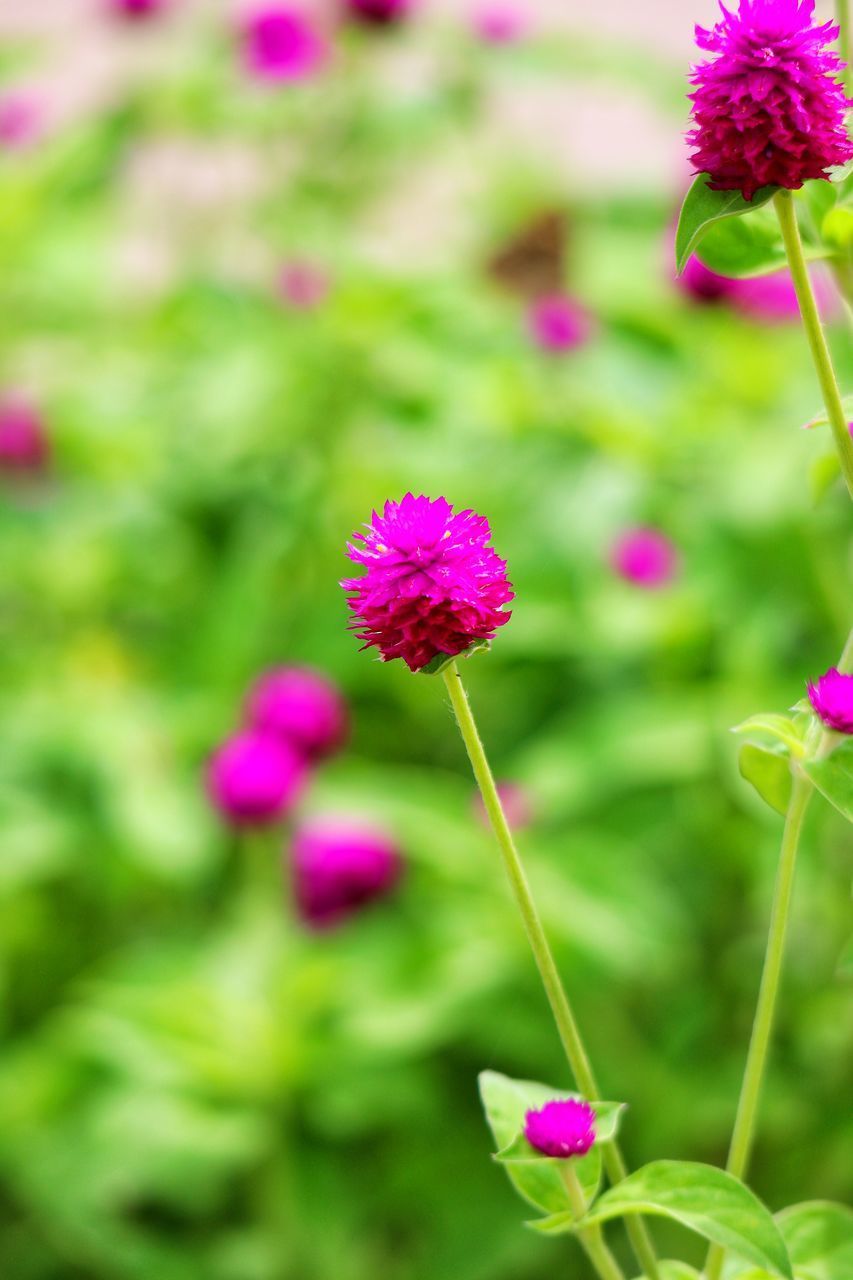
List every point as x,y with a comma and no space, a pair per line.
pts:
191,1087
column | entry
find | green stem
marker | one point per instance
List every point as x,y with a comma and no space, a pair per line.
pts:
787,215
591,1237
762,1028
842,17
563,1016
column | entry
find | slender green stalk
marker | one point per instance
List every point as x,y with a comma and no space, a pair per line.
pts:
787,215
591,1237
842,17
563,1016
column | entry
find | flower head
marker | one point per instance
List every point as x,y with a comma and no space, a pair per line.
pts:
770,299
20,120
379,13
563,1128
499,23
300,706
340,865
24,445
281,44
302,285
558,324
832,698
136,8
768,109
433,584
254,778
645,557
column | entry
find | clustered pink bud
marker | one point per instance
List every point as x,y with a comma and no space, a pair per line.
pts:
499,23
433,586
340,865
137,8
832,698
282,44
20,120
24,446
300,706
558,324
255,778
768,108
378,12
303,285
562,1128
645,557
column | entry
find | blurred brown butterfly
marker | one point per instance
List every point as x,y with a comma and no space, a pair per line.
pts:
533,261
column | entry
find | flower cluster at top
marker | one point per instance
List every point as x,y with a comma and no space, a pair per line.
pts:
768,108
433,586
832,698
562,1128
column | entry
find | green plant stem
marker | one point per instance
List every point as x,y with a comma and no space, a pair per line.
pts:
591,1237
563,1016
787,215
842,17
762,1028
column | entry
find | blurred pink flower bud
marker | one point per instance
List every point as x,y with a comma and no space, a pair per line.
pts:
645,557
301,706
281,43
339,865
303,285
558,324
378,12
499,23
253,779
135,9
832,698
20,120
24,445
517,805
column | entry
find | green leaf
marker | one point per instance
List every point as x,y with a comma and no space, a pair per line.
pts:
536,1177
706,1200
770,774
753,245
823,474
768,725
833,776
703,208
819,1236
670,1270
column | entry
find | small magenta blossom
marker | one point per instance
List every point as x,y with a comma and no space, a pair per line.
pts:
768,108
134,9
255,778
303,285
282,44
340,865
558,324
770,299
302,707
433,586
832,698
24,444
499,23
645,557
562,1128
379,13
20,120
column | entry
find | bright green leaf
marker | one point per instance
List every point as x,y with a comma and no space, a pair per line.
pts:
767,725
769,773
833,777
819,1236
703,208
671,1270
706,1200
823,474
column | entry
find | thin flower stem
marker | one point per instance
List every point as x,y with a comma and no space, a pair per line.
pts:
787,215
563,1016
591,1237
842,17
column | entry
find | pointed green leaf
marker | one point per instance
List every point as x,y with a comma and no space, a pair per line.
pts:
819,1236
706,1200
833,776
767,725
770,774
703,208
670,1270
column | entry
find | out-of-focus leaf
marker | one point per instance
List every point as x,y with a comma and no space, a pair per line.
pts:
770,774
703,208
832,774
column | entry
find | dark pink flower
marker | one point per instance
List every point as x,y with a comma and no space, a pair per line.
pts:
378,12
704,284
516,802
20,120
303,285
558,324
301,706
768,109
770,299
282,44
645,557
832,698
432,585
136,8
339,866
563,1128
24,445
499,23
255,778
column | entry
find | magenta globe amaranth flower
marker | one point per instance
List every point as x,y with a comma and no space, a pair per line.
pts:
340,865
558,324
499,23
378,13
24,445
832,698
303,285
136,9
20,120
254,778
562,1128
768,108
433,586
282,44
302,707
645,557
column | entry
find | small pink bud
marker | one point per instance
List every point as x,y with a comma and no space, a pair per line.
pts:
558,324
340,865
562,1128
380,13
303,286
645,557
302,707
832,698
516,802
254,779
20,120
281,43
499,23
136,9
24,445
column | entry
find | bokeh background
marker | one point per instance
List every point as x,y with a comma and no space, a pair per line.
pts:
193,1085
